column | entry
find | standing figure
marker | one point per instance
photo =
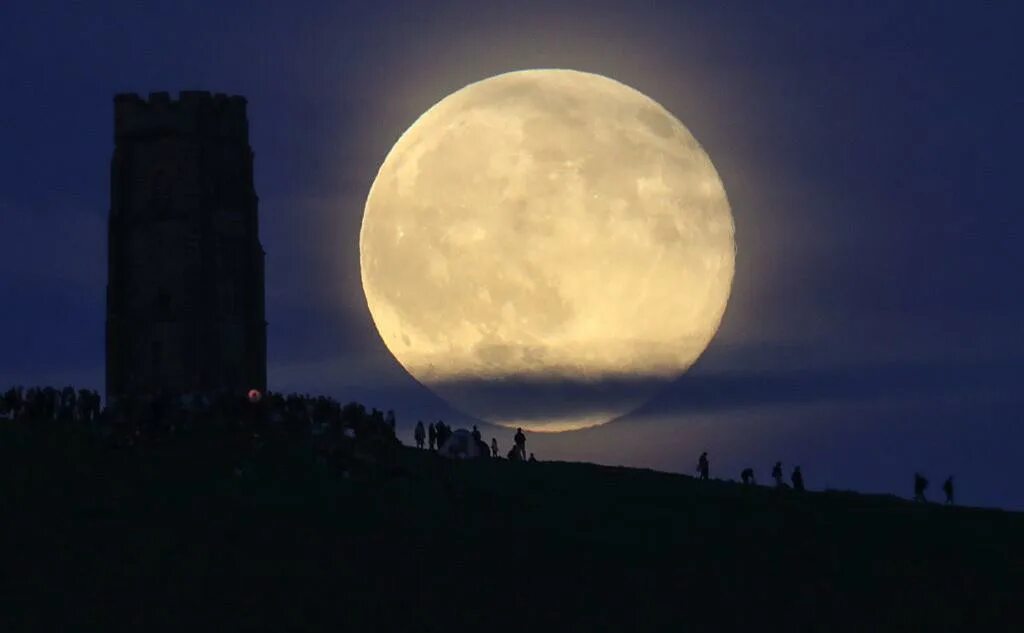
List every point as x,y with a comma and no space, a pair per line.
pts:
442,433
920,485
419,434
747,476
494,447
703,467
798,479
777,475
947,488
476,434
432,436
520,439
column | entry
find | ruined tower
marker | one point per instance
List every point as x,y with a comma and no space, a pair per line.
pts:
185,299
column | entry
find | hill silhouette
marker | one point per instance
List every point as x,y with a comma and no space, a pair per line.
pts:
185,533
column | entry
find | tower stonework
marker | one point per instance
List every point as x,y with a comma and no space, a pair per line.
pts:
185,287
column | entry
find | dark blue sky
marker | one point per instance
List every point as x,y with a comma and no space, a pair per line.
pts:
871,157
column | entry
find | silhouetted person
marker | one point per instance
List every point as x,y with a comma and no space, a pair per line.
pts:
521,443
747,476
777,474
432,436
443,433
476,434
532,458
703,467
920,485
419,434
494,447
514,454
798,479
947,488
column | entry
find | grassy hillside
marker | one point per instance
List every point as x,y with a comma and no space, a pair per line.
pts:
183,534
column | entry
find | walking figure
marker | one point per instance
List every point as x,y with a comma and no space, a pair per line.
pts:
419,434
702,466
798,479
494,447
777,475
747,476
432,436
920,484
947,488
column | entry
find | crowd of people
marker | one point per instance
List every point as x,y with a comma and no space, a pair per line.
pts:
434,435
49,403
336,431
250,419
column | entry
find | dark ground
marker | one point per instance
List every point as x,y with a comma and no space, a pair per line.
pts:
166,536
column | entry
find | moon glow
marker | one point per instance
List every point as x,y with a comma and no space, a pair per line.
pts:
545,248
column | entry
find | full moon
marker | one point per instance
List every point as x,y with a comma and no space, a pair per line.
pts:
546,248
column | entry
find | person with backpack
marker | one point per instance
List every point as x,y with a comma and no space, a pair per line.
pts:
747,476
920,485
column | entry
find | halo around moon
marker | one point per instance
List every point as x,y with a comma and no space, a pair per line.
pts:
545,248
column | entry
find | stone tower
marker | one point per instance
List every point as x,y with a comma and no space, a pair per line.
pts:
185,300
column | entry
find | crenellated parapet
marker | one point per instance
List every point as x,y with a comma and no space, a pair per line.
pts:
194,112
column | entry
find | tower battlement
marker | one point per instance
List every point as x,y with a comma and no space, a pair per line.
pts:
193,113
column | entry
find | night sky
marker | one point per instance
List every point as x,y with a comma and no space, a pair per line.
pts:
871,158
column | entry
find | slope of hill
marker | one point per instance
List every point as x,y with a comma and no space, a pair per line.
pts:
175,536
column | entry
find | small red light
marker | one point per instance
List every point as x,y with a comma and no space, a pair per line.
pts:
255,396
